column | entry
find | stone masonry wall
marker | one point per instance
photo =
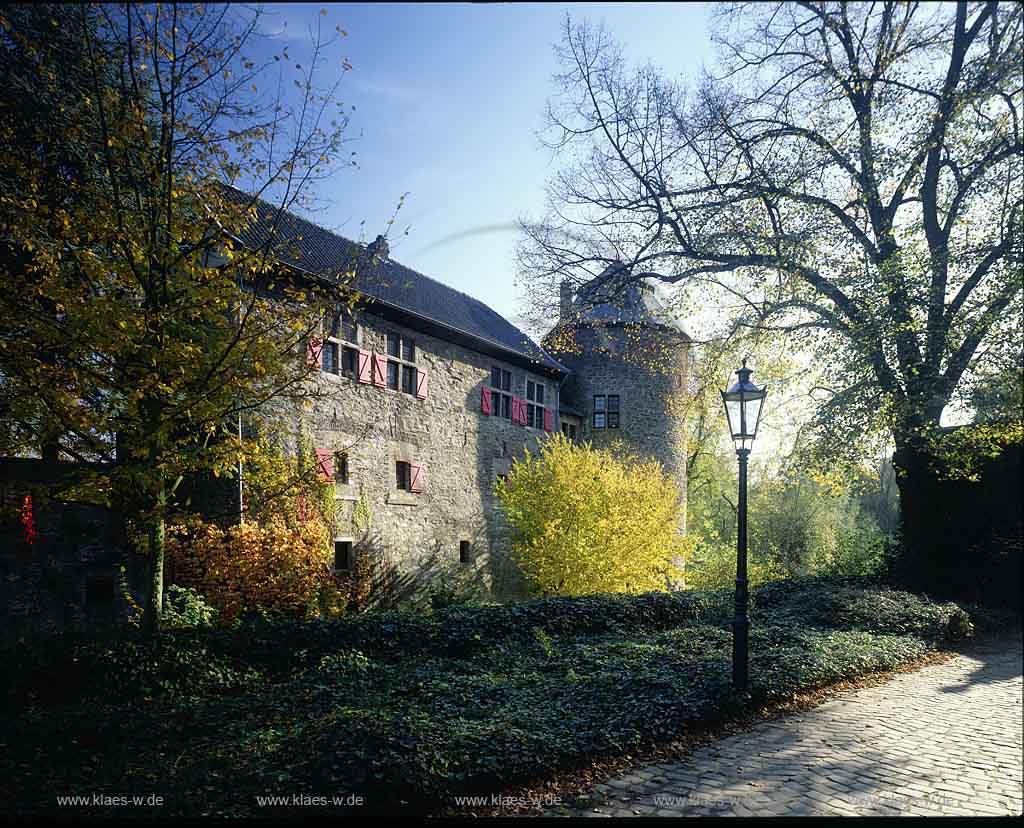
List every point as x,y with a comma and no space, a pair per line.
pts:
69,579
461,449
648,370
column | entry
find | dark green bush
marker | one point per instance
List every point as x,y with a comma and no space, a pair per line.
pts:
201,661
422,707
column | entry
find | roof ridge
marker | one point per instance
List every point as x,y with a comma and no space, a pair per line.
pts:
394,261
388,273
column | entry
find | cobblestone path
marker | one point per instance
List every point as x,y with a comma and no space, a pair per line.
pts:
943,740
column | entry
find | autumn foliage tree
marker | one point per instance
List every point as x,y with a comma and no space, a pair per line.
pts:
851,177
592,520
137,331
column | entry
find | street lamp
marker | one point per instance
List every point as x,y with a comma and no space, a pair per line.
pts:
743,404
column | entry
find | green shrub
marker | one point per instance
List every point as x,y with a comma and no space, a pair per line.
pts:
184,607
424,707
713,566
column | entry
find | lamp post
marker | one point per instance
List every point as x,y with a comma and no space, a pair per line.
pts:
743,403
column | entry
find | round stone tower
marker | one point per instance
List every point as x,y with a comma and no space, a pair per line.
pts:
629,363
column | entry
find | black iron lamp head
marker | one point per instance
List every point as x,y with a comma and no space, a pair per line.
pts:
743,404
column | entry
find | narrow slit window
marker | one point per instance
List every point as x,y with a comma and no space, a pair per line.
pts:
341,474
342,555
403,476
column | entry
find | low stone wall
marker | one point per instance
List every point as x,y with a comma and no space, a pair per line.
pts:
69,579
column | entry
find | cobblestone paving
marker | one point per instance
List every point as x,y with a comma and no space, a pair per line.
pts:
945,740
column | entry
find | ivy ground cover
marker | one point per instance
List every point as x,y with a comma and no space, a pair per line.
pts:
397,711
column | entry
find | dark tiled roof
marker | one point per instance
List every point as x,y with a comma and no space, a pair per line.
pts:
311,248
605,301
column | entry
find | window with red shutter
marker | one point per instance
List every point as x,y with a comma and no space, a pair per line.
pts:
314,350
325,461
416,475
364,367
485,401
548,419
421,384
379,376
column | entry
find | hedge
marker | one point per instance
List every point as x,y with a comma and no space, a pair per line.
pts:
422,708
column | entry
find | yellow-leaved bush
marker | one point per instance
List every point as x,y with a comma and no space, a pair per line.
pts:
268,567
593,520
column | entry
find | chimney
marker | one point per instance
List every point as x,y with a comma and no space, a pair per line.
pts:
565,299
378,248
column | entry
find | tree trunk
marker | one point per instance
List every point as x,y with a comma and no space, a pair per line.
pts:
155,587
924,560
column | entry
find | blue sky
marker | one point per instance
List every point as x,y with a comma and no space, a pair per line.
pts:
448,102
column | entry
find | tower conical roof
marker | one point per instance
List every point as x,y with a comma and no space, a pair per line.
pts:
611,298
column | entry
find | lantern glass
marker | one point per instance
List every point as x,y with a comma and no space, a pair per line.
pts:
743,404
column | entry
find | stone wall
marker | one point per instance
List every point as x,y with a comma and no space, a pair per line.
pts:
69,579
648,369
461,450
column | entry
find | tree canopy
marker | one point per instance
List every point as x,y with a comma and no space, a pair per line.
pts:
137,329
851,177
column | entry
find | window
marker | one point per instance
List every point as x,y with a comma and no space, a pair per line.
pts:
534,404
330,358
606,411
349,362
342,554
349,331
337,358
464,555
403,476
409,379
501,393
569,430
401,363
613,411
341,474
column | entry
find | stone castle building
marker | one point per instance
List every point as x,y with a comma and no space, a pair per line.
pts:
430,395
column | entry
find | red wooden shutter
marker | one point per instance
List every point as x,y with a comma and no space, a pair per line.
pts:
519,411
416,475
547,419
364,366
326,463
314,351
379,371
485,401
421,384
